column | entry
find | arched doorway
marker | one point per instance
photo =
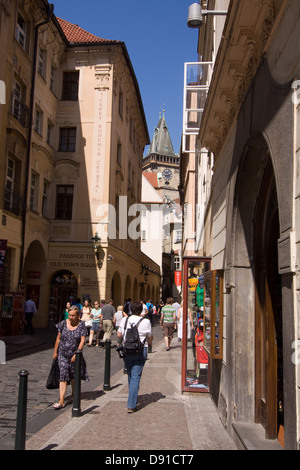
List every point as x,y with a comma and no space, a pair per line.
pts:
63,287
269,406
128,293
116,291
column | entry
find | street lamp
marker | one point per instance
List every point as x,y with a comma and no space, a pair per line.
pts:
146,274
96,242
195,15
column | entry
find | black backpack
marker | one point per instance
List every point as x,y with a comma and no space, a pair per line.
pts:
132,343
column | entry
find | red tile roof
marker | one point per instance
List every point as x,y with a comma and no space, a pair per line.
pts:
77,35
152,178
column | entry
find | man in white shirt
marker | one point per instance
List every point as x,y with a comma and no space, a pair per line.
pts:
176,305
29,310
135,362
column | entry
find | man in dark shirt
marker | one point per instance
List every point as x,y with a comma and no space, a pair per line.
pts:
108,319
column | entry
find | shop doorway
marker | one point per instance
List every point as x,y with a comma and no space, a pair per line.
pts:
269,406
63,287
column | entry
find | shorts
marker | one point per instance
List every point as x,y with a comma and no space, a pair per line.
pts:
168,329
95,325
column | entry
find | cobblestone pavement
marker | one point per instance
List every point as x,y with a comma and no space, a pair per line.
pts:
166,419
34,354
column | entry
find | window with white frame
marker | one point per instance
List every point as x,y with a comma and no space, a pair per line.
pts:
42,62
177,263
46,186
38,120
34,184
178,236
50,133
18,107
10,181
21,30
53,81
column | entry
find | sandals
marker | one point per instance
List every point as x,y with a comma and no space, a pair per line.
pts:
58,406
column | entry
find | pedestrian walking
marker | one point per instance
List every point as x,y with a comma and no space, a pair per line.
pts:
29,312
96,319
70,338
108,319
190,325
135,362
167,321
149,315
65,313
118,316
86,315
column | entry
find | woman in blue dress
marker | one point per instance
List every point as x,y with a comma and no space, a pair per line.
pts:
70,338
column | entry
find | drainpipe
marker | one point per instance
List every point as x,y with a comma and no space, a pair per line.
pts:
50,8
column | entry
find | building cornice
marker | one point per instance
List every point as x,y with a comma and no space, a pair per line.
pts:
246,36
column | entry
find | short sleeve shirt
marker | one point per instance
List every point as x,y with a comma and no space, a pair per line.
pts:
168,313
144,327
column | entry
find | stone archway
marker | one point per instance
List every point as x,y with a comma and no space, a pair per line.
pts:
34,278
116,289
63,289
128,292
256,298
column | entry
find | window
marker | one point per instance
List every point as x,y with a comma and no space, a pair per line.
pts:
53,81
18,108
213,314
10,178
177,263
50,132
42,62
38,120
64,202
21,31
67,139
195,358
70,86
34,184
119,153
45,198
178,236
12,199
121,103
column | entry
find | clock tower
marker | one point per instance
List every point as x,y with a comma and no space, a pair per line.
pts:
161,168
162,160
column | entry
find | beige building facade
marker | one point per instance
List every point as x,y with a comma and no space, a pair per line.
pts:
75,173
250,126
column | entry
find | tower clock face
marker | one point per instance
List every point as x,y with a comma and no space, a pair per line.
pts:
167,174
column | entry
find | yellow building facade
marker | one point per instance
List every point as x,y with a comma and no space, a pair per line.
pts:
73,131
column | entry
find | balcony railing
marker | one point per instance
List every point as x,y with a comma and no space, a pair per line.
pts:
19,110
13,202
197,76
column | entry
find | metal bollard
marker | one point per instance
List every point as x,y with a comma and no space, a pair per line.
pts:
76,410
22,410
106,384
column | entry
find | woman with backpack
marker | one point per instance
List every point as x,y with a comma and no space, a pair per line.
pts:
135,349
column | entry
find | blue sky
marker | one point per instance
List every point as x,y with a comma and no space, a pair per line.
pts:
158,42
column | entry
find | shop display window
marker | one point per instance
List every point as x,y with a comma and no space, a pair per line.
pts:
213,314
195,359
